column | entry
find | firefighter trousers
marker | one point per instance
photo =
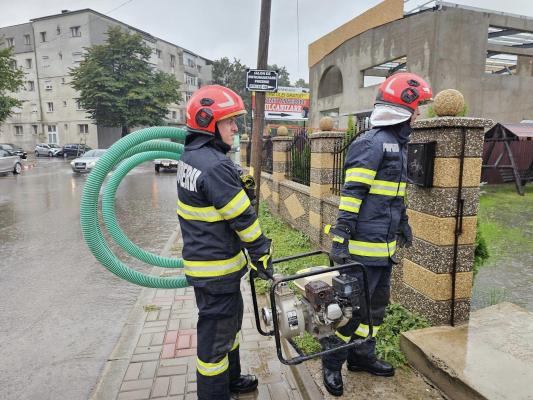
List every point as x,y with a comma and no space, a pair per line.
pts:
358,326
218,330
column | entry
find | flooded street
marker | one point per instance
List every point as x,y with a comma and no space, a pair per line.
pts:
61,312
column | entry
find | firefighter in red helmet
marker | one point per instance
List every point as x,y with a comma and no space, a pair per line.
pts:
221,237
372,219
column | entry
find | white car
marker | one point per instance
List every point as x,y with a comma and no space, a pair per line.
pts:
9,162
165,163
87,162
47,149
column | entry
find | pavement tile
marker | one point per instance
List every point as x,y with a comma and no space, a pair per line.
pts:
168,350
145,357
152,316
134,395
172,362
148,349
191,396
175,370
152,324
248,345
157,338
187,332
164,315
136,385
173,324
154,329
191,387
194,340
177,385
148,370
184,342
191,377
160,388
133,371
145,339
278,391
182,297
188,323
185,352
171,337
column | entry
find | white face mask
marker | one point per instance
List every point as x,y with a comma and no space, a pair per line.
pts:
387,114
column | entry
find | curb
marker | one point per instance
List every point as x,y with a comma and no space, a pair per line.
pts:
118,361
307,386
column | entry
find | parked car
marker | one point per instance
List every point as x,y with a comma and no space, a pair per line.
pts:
87,162
47,149
14,149
74,150
9,162
165,163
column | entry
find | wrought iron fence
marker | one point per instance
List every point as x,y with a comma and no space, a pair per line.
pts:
299,163
266,159
248,152
339,155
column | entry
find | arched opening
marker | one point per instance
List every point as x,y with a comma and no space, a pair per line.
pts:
330,82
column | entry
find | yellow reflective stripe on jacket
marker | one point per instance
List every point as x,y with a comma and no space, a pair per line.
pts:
251,233
236,342
345,339
206,214
387,188
235,206
362,175
369,249
212,369
350,204
211,268
363,330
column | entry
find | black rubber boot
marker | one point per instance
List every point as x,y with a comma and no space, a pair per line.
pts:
376,367
244,384
333,381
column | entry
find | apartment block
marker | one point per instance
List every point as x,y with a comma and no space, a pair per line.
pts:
47,48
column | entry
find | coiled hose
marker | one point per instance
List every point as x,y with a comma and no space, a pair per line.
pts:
127,153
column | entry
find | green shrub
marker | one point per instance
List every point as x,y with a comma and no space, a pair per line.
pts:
481,253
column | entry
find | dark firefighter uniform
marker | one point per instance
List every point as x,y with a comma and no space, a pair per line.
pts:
372,208
217,222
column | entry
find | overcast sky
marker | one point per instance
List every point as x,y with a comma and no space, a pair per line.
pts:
215,28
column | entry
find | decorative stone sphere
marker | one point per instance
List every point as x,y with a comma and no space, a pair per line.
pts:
326,124
244,136
449,102
283,131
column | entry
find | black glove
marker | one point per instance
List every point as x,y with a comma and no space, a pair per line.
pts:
262,267
340,236
405,235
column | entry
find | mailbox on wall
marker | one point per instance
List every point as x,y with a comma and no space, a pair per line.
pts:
420,163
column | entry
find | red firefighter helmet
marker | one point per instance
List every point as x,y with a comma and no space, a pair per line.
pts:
404,89
211,104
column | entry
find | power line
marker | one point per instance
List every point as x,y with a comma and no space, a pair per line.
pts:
298,37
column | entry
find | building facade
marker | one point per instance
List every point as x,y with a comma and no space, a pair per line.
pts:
487,55
48,48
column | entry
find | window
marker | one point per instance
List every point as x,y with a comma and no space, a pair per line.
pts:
78,105
63,81
48,85
64,103
378,73
188,96
13,64
75,31
45,57
172,60
174,114
27,39
190,79
33,107
158,53
191,63
31,86
50,106
34,129
52,134
83,128
43,36
58,30
10,42
28,63
182,115
65,126
18,130
180,58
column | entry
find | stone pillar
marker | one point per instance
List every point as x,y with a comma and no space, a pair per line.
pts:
322,147
244,151
423,280
280,147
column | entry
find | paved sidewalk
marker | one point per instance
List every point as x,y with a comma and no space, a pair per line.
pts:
156,355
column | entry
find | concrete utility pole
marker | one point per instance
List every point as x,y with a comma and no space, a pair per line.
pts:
259,114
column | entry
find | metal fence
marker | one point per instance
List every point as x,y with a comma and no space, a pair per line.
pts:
339,156
299,163
266,159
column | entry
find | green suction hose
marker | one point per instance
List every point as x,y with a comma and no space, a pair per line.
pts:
132,150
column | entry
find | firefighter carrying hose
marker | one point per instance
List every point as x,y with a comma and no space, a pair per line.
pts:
372,219
220,230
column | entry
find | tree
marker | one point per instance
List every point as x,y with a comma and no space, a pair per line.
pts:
11,80
118,86
301,83
283,75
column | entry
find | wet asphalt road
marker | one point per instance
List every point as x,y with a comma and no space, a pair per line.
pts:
61,312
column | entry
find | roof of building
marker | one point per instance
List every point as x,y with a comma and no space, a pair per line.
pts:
522,130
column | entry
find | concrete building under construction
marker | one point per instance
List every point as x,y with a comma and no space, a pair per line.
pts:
487,55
